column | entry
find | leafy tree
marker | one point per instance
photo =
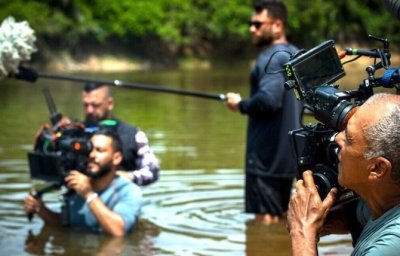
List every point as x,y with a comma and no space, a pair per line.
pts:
190,27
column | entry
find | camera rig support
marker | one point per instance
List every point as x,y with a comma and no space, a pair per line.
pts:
311,74
58,148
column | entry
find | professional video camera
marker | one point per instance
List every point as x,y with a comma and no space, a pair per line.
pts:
311,74
58,149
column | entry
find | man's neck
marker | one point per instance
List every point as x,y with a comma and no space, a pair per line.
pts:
280,40
101,183
382,201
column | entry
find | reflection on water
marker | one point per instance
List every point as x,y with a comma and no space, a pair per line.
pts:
196,208
69,241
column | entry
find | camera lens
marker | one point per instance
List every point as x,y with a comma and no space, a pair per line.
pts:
325,179
340,114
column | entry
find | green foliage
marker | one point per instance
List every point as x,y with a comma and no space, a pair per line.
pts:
22,10
196,26
312,21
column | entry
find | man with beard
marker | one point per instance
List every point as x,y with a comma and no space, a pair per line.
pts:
103,201
272,112
139,164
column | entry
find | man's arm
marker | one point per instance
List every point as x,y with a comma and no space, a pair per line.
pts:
111,222
147,162
306,215
267,80
232,101
36,206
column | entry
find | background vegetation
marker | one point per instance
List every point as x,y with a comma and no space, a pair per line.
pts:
161,30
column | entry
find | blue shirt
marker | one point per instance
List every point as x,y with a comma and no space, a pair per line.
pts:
121,196
381,236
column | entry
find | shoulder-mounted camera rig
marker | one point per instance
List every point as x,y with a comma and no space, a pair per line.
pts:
59,148
311,74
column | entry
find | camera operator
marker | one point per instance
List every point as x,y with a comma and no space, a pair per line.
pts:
104,201
139,163
369,164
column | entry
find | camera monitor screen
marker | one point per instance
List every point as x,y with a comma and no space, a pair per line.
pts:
318,66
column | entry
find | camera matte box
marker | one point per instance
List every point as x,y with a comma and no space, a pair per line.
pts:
47,167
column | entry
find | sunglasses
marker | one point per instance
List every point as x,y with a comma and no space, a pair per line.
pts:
256,24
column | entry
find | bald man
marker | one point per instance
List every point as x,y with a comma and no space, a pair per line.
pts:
139,164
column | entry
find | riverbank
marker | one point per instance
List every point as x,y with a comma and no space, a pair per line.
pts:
95,64
110,63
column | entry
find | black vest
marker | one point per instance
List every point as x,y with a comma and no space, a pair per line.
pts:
127,135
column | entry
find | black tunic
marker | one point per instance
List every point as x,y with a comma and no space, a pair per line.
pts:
272,112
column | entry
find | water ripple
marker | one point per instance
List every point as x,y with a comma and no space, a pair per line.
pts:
199,204
195,212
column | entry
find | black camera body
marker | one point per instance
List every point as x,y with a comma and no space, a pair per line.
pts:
316,150
57,152
59,148
311,74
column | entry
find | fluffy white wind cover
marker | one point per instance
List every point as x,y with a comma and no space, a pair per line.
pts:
16,45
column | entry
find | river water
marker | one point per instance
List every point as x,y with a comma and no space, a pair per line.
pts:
196,208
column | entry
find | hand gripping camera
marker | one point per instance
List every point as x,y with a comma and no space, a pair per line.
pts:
311,74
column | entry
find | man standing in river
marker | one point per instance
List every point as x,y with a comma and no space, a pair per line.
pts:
139,164
101,201
272,112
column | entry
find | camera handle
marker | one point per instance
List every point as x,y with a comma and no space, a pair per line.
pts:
390,79
38,194
65,207
382,54
385,42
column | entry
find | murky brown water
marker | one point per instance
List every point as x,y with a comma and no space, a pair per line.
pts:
197,206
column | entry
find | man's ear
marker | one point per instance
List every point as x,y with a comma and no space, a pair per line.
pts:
380,168
110,103
278,23
117,158
277,27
